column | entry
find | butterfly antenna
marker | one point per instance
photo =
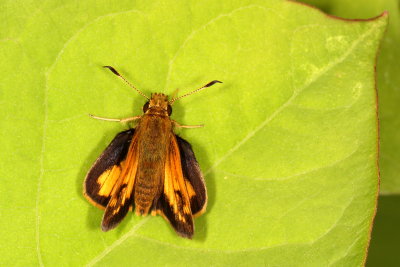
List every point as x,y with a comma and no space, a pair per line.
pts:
201,88
125,80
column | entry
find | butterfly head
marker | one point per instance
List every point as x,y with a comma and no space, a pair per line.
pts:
158,104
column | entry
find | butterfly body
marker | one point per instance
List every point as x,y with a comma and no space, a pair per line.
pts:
155,131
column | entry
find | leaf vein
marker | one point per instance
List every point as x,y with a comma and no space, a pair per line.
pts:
117,243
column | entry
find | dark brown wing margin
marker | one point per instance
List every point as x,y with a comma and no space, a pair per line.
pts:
112,156
192,173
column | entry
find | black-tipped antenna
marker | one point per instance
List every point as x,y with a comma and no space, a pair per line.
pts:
201,88
125,80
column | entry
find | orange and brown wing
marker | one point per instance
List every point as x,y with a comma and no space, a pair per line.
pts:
122,193
174,202
109,183
193,177
103,176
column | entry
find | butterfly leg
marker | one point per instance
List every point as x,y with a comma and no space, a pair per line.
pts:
176,124
118,120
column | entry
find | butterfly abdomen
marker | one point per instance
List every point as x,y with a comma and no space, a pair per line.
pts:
146,189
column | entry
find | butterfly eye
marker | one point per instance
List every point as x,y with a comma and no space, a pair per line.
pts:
169,110
146,106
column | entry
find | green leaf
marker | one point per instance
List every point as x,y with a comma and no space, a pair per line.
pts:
388,81
288,148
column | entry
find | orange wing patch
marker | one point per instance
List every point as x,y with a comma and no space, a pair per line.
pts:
189,189
105,184
108,179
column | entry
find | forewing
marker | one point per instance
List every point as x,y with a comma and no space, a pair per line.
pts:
174,203
193,177
104,174
122,193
